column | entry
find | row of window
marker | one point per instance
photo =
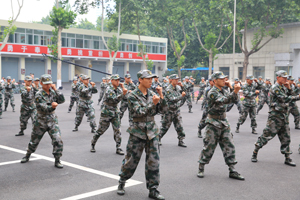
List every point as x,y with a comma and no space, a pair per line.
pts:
38,37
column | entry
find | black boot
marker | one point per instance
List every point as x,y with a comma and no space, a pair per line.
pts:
75,129
93,130
13,109
181,143
201,171
288,161
57,163
26,158
20,133
199,134
119,151
254,131
254,157
154,194
237,130
297,126
69,110
236,175
5,109
121,190
93,148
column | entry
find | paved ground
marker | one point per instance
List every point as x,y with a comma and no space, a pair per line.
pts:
94,176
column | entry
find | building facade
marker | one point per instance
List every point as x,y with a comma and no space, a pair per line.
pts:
279,54
23,53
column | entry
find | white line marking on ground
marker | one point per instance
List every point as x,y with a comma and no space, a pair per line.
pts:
16,161
129,182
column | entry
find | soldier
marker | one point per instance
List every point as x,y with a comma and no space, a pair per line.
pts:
250,91
28,108
192,88
9,93
143,106
130,86
202,123
74,95
293,108
174,94
155,84
188,85
37,83
85,103
46,101
217,126
238,103
110,112
278,121
165,84
102,87
202,86
1,99
264,96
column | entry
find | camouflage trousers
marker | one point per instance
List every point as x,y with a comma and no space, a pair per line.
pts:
213,137
123,108
202,123
9,96
201,92
192,95
277,124
46,123
90,113
295,112
261,102
239,106
167,120
72,101
1,102
104,123
133,155
101,94
25,114
189,101
252,114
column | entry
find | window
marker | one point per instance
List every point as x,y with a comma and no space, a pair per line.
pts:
79,43
38,32
36,39
240,73
87,44
72,42
225,70
96,44
259,71
17,37
64,42
22,38
43,40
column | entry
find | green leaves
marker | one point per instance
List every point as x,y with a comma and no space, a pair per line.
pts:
113,44
62,18
9,30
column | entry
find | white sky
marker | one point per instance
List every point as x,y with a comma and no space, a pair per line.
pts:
34,10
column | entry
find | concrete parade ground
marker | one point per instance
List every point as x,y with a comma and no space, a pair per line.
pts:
89,175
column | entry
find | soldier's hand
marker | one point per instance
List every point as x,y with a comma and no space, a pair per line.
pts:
129,91
227,83
256,91
54,104
124,91
159,90
183,94
237,88
28,88
53,87
298,85
255,80
155,99
287,85
294,83
13,80
121,85
180,84
93,84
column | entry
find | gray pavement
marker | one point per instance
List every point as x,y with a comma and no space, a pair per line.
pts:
94,176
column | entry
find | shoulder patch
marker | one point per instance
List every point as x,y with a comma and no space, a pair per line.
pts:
276,91
212,96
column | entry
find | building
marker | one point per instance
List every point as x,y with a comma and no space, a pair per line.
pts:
23,53
279,54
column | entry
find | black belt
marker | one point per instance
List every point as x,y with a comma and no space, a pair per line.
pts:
217,116
82,98
45,113
143,119
173,109
110,104
28,104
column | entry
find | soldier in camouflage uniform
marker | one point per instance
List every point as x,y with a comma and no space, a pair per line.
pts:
110,112
238,103
28,108
192,89
46,101
250,91
202,86
281,95
9,93
155,84
188,85
102,89
1,99
165,84
218,128
85,103
144,104
37,84
293,108
174,94
202,123
74,95
129,85
264,96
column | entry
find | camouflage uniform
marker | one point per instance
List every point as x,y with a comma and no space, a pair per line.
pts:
85,104
202,123
249,104
218,129
237,103
164,85
192,90
102,90
173,96
9,95
202,86
154,86
46,120
74,96
143,135
188,98
278,120
110,114
124,102
293,108
28,108
264,96
1,99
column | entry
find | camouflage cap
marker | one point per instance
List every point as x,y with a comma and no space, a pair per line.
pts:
8,77
209,78
174,76
146,74
28,78
37,79
260,77
186,77
46,79
290,78
115,77
127,76
202,78
84,77
103,78
250,77
81,75
267,79
191,76
236,79
218,75
165,79
282,73
75,78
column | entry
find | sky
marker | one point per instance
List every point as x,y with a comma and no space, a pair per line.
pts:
34,10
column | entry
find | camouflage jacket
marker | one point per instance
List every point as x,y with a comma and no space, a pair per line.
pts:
85,95
207,89
164,86
280,97
27,98
103,87
294,93
216,106
75,92
249,94
202,86
9,87
265,90
192,88
110,102
129,86
1,88
43,102
142,111
173,97
154,86
188,87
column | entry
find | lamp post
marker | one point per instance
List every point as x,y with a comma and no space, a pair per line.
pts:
234,27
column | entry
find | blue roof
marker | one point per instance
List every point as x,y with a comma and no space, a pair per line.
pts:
193,69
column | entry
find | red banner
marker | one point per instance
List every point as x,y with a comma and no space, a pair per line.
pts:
32,49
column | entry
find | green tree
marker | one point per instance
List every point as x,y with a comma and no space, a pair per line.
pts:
85,24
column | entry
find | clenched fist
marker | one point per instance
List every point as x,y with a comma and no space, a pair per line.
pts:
54,104
53,86
93,84
155,99
183,94
237,88
256,91
124,91
28,88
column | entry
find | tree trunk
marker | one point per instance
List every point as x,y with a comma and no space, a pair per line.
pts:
58,83
245,66
110,66
179,72
4,42
210,62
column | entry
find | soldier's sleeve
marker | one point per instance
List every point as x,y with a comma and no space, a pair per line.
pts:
247,93
140,110
60,98
13,85
172,98
83,89
24,93
42,105
284,98
222,99
94,90
162,106
112,97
